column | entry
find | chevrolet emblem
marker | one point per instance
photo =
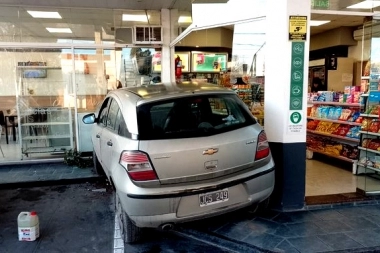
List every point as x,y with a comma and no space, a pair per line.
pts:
210,151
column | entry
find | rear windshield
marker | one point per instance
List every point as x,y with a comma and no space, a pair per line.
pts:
189,117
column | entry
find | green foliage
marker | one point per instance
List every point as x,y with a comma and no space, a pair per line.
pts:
75,158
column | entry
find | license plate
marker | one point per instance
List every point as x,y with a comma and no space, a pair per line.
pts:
215,197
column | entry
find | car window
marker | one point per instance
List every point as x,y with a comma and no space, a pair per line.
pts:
194,116
103,112
112,113
121,126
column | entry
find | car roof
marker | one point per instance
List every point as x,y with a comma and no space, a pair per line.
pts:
171,90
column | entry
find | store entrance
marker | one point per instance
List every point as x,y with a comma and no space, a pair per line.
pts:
330,180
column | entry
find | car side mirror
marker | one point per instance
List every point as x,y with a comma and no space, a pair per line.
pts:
89,118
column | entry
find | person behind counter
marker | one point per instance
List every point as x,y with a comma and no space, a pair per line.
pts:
316,85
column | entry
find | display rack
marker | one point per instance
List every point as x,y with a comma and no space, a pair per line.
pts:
42,127
46,130
244,91
332,133
369,157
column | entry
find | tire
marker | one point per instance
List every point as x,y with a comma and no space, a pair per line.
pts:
97,166
129,231
260,207
263,206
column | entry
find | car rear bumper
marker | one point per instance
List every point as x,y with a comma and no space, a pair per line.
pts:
177,208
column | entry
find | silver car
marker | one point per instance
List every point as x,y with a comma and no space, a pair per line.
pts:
179,152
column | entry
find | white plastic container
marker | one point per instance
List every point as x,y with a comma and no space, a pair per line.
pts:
28,226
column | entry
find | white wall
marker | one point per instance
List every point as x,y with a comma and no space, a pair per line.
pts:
357,51
58,81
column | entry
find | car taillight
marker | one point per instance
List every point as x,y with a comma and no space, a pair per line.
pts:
137,165
262,149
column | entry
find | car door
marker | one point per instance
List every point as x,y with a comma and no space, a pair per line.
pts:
109,136
98,129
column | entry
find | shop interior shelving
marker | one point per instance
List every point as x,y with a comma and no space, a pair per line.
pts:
339,139
42,128
369,154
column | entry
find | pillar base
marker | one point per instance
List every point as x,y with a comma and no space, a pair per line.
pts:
290,162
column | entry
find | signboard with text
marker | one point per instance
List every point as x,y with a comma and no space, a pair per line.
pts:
208,62
295,122
297,27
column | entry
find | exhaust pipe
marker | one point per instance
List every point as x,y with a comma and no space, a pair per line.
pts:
167,226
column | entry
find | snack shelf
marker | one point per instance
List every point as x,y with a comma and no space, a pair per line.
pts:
369,150
369,115
336,121
334,103
328,154
369,133
334,136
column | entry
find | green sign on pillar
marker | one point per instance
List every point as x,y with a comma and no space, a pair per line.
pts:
297,75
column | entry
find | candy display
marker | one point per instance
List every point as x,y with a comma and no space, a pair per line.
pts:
334,127
330,147
335,113
365,124
374,109
312,124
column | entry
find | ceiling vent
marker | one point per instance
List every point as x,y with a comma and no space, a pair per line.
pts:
124,35
367,32
147,35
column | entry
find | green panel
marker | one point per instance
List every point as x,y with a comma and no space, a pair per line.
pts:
297,75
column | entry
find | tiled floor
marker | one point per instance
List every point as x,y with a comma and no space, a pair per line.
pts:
10,174
343,229
13,169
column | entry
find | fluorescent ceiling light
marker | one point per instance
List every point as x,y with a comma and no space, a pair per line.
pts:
132,17
365,5
44,14
318,22
185,19
59,30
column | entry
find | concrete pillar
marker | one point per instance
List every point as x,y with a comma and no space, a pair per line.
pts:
286,74
169,23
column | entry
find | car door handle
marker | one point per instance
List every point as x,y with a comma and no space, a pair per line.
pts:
109,143
97,136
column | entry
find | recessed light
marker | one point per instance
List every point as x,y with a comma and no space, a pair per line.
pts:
185,19
368,4
133,17
59,30
44,14
318,22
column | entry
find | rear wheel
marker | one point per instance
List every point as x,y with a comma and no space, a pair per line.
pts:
97,166
129,231
260,207
263,206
